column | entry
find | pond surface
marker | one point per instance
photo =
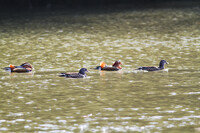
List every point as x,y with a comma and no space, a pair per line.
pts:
122,101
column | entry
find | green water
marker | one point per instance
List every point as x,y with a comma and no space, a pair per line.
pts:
122,101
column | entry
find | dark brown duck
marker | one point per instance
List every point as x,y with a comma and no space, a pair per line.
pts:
161,66
80,74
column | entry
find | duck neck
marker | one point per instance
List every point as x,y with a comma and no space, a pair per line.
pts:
161,66
82,72
117,66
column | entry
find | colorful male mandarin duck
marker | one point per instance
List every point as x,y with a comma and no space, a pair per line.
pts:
23,68
115,67
161,66
81,74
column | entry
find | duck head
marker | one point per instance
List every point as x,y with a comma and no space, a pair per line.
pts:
82,71
162,63
27,66
117,64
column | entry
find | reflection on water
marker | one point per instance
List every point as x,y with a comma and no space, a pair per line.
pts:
122,101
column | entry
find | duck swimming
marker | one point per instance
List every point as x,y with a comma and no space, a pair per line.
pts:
161,66
80,74
23,68
115,67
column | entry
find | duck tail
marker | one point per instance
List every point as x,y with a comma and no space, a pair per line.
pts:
139,68
6,68
62,74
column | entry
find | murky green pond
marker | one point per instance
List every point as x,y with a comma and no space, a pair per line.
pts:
122,101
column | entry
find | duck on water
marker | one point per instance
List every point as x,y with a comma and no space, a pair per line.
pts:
23,68
115,67
161,66
80,74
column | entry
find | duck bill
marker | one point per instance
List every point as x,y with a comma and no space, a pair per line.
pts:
167,62
120,66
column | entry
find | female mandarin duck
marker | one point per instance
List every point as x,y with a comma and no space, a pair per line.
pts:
161,66
81,74
115,67
23,68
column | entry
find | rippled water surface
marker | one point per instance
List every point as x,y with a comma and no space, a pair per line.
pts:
122,101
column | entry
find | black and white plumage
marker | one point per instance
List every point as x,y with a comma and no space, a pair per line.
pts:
80,74
161,66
